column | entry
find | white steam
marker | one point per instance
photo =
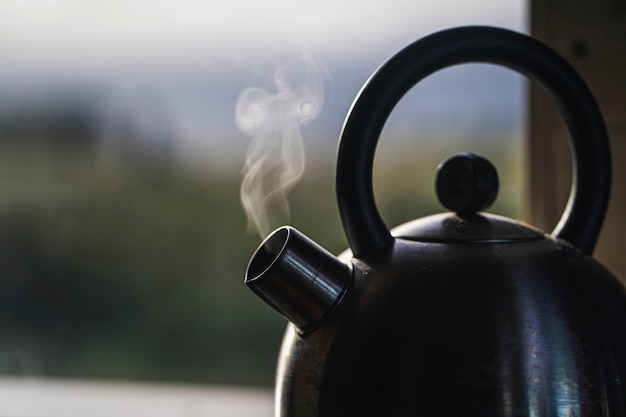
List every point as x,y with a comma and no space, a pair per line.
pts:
275,160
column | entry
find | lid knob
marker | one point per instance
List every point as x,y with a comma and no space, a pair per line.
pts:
466,183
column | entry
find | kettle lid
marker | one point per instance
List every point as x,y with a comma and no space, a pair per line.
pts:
473,228
465,184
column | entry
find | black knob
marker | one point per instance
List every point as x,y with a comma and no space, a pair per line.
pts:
466,183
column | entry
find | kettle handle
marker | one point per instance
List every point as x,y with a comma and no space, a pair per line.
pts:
582,219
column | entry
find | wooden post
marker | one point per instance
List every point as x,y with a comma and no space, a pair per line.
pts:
591,35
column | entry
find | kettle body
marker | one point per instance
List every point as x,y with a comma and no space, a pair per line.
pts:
514,329
462,313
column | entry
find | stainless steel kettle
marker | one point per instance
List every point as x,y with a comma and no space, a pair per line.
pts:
457,314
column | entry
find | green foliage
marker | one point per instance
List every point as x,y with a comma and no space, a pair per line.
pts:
136,271
129,272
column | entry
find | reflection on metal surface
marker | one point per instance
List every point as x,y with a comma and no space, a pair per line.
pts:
552,373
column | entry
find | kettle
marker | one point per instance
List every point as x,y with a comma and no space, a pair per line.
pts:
455,314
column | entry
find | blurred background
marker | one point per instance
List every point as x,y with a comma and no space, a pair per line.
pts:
126,131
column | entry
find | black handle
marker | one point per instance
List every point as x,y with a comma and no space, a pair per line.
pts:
582,219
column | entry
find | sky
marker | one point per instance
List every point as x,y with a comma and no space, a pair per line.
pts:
100,35
175,69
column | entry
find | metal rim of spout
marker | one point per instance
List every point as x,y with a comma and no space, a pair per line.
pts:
266,254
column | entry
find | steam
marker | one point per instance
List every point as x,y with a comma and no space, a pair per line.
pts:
275,160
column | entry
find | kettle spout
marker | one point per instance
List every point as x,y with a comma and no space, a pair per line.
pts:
298,278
